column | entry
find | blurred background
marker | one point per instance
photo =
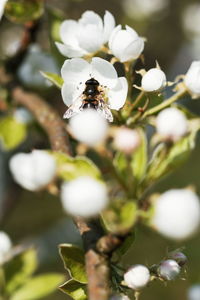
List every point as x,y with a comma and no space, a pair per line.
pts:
172,30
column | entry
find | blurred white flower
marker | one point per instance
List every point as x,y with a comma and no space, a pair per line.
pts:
85,36
177,214
77,71
171,124
126,140
5,245
137,277
22,115
125,44
169,269
194,292
2,6
84,196
192,79
34,170
153,80
119,297
89,127
191,19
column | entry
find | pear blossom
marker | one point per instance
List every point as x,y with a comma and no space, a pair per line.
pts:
137,277
5,245
34,170
171,124
76,71
153,80
194,292
169,269
2,6
84,196
125,44
89,127
85,36
192,79
177,214
126,140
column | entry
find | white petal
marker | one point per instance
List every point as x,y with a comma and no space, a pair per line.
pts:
76,70
109,24
71,92
131,31
133,50
120,42
104,72
68,31
90,38
69,51
117,96
113,35
2,6
90,17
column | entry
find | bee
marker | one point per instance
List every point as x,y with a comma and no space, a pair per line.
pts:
91,98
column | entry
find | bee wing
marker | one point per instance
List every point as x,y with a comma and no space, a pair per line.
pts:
73,109
105,111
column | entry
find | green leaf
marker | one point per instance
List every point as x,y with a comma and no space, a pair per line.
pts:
121,164
74,289
123,249
38,287
74,261
53,78
70,168
139,158
22,11
12,132
19,269
120,217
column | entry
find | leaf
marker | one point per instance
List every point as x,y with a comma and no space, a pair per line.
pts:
121,164
74,289
19,269
38,287
53,78
12,132
139,158
73,258
70,168
22,11
120,217
123,249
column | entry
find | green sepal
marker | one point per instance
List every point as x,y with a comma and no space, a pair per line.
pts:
53,78
74,289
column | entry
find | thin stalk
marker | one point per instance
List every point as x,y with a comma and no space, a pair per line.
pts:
137,100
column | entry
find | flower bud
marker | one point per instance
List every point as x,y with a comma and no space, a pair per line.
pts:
84,196
137,277
179,257
5,245
125,44
169,269
153,80
89,127
126,140
177,214
34,170
192,79
171,124
194,292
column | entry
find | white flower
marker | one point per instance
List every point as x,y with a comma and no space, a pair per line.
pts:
77,71
192,79
153,80
84,196
85,36
22,115
171,124
89,127
169,269
5,245
137,277
125,44
126,140
2,6
177,214
194,292
34,170
191,19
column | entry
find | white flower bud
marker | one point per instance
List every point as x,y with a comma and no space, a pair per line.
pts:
137,277
194,292
22,115
5,245
177,214
169,269
153,80
84,196
171,124
126,140
34,170
89,127
192,79
179,257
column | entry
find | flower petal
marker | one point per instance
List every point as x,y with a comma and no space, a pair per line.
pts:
120,42
2,6
113,34
104,72
76,70
70,51
117,96
68,30
133,50
90,17
71,93
109,24
131,31
90,38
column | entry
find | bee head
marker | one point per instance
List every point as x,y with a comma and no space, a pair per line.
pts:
92,81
